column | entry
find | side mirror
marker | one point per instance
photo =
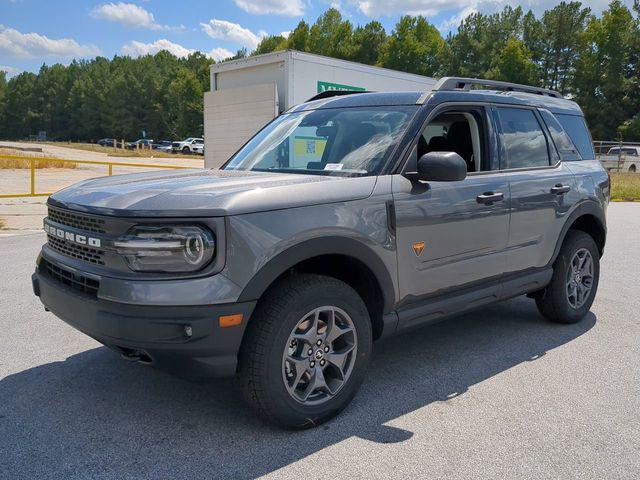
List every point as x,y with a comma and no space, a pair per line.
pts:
440,167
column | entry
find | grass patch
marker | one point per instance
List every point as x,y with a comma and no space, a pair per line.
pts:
625,186
25,164
119,152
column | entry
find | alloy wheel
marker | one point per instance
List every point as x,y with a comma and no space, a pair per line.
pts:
319,355
580,278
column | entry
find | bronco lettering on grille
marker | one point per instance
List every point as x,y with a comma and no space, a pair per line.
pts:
72,237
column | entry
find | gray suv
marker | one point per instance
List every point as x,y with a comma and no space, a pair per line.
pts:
348,219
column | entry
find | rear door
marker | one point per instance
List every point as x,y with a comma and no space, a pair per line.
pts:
542,188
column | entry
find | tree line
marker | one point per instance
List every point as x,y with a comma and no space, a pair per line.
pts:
593,59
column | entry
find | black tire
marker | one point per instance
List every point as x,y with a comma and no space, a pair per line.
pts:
553,303
186,150
261,355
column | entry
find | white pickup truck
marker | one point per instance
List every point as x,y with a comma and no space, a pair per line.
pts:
625,158
189,146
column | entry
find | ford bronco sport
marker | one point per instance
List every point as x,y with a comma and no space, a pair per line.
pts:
348,219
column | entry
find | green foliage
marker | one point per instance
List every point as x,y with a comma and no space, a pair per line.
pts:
593,59
513,64
87,100
604,76
368,43
415,46
331,36
299,38
269,44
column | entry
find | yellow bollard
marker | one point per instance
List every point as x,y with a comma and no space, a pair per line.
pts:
33,176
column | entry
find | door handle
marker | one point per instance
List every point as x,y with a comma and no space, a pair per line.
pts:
560,189
488,198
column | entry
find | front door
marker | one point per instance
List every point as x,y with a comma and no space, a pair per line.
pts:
452,234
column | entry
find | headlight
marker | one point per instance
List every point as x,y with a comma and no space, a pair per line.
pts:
167,248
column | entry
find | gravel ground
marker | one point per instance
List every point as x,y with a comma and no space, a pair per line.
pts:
498,393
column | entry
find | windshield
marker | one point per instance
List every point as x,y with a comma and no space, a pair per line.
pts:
342,141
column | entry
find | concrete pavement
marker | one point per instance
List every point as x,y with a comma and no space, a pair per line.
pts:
498,393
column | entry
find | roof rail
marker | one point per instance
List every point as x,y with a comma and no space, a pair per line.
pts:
460,83
335,93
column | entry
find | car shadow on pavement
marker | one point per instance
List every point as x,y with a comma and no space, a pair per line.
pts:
94,415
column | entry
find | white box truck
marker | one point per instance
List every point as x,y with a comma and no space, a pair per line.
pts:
248,93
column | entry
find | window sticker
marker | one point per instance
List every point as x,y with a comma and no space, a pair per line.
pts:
333,166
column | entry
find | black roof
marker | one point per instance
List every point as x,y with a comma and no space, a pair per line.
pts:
371,99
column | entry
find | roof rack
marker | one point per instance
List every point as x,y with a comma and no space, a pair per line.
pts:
335,93
460,83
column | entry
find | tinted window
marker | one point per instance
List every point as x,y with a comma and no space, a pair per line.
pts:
560,138
523,140
577,129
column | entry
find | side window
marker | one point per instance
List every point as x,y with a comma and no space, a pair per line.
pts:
460,131
523,139
562,141
576,127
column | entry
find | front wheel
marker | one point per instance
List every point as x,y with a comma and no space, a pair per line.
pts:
186,150
576,272
306,351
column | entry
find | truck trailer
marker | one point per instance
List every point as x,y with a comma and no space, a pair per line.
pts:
248,93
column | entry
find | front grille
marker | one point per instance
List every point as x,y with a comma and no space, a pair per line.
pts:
77,220
86,254
76,281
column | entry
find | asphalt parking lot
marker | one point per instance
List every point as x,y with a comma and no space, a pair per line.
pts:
498,393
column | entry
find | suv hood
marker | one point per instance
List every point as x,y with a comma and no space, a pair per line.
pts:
191,193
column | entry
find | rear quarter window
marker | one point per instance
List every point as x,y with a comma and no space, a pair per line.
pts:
576,128
562,141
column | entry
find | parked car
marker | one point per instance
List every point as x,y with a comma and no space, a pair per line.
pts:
625,159
141,143
189,146
163,146
106,142
345,220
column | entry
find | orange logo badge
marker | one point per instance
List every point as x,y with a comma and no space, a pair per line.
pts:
418,247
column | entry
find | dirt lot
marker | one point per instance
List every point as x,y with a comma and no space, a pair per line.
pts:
27,213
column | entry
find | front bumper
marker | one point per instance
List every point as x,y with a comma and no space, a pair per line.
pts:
157,334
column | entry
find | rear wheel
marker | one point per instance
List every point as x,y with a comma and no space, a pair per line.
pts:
576,271
632,169
185,150
306,351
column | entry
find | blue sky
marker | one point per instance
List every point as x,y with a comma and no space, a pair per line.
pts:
35,32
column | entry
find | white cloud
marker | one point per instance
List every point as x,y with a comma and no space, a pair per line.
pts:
375,8
285,34
378,8
11,71
138,49
291,8
219,54
33,45
129,15
222,29
454,21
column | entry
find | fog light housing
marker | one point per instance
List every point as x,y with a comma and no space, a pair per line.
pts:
167,249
